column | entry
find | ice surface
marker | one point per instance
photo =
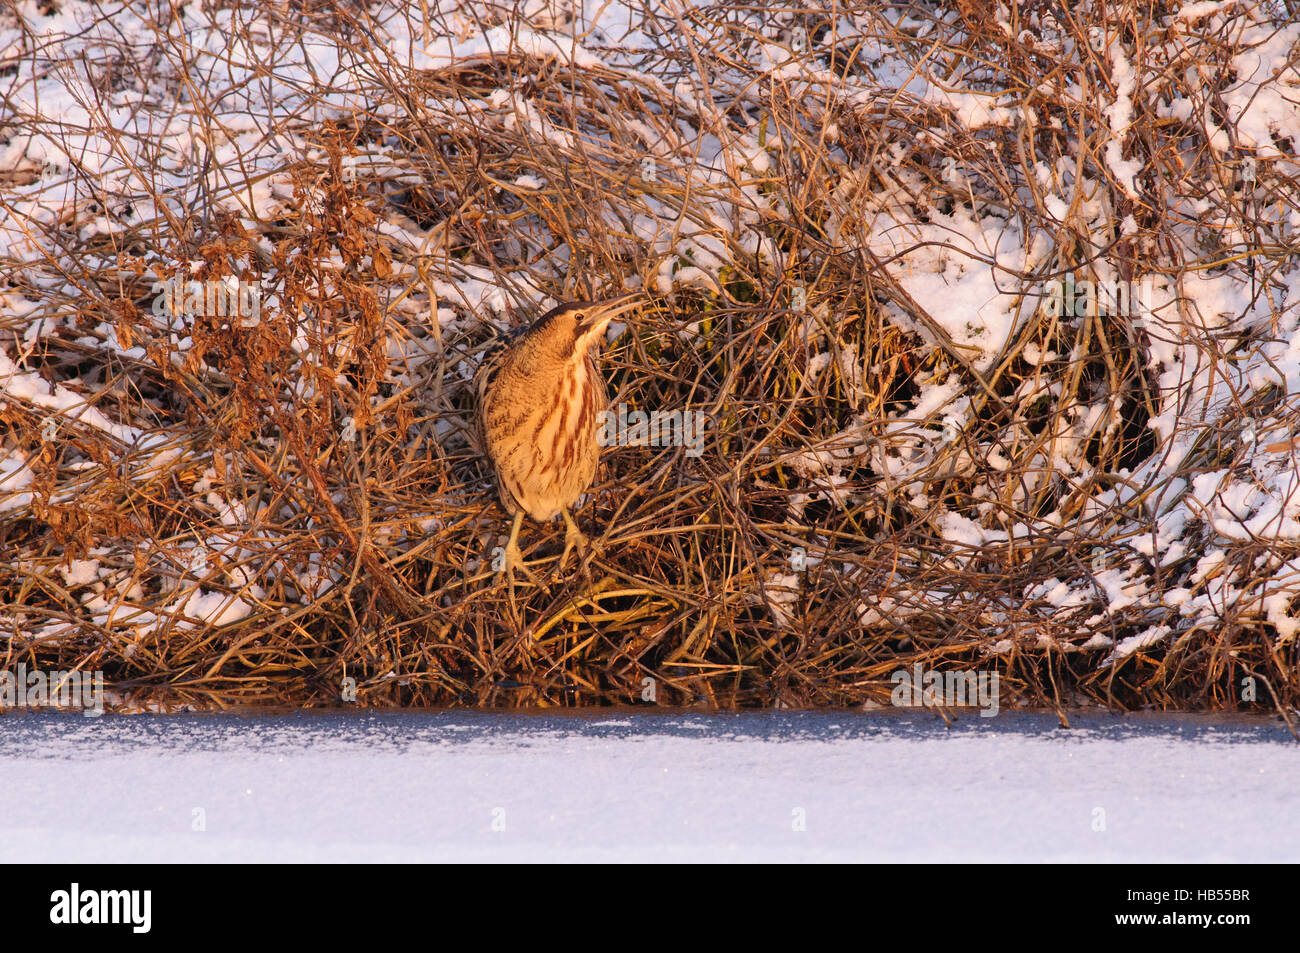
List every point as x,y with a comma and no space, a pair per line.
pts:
880,787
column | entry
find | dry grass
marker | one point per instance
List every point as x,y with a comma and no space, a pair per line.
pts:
319,514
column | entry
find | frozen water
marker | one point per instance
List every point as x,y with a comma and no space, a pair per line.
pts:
460,786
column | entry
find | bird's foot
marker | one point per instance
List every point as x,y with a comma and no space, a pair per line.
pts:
513,559
573,539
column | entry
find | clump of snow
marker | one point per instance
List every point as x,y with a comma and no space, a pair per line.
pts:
64,403
80,572
1120,115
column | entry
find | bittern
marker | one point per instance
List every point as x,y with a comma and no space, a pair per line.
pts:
539,403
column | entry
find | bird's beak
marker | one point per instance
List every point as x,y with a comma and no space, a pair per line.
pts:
600,313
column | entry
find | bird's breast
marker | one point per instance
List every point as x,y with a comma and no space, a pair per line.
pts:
546,453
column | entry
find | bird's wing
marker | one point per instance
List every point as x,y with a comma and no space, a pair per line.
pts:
488,367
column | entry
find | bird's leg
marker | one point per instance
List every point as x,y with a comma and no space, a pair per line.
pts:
514,559
572,537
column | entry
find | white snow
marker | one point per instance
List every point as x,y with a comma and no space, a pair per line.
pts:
1119,114
80,572
65,403
875,788
1194,11
15,477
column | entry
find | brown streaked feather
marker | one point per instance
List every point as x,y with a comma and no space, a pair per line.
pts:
538,396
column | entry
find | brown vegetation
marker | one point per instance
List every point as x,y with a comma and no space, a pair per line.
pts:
298,503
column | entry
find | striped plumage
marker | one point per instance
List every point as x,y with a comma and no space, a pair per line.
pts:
539,400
